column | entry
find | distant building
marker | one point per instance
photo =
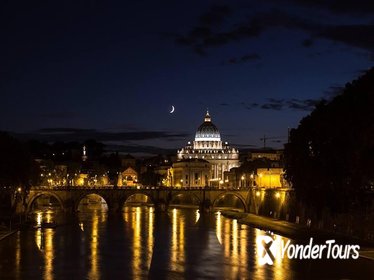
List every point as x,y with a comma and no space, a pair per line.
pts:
267,153
190,173
84,153
270,178
129,177
208,146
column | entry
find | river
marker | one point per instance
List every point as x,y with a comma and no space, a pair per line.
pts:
141,243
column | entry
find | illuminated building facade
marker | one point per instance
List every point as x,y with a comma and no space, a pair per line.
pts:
129,177
208,146
190,173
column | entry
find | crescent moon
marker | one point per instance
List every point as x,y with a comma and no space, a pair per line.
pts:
172,109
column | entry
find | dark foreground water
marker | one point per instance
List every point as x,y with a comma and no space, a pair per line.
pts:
140,243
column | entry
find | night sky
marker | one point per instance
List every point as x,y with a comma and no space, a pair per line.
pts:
91,69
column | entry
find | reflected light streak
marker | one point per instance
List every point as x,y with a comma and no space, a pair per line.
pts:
219,227
150,237
235,238
39,238
136,224
233,247
178,242
39,218
243,252
94,272
226,237
49,254
48,217
181,256
18,256
197,215
234,241
174,241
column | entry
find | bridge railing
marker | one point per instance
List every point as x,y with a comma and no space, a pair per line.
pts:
146,187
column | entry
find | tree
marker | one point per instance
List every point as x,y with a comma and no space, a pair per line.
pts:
17,168
330,157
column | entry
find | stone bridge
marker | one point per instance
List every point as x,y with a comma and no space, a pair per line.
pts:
161,197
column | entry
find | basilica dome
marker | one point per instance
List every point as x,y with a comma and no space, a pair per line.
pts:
207,131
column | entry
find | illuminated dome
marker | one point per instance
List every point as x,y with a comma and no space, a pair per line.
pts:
207,131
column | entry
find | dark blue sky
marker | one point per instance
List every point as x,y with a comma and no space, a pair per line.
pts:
112,71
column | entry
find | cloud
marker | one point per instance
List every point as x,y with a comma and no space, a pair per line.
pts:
273,105
359,35
351,7
139,149
303,105
249,106
333,91
76,134
283,104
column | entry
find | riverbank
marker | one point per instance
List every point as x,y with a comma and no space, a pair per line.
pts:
298,232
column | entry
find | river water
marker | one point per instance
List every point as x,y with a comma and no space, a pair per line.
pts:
141,243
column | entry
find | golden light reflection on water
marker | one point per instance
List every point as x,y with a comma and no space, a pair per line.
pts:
38,238
49,254
178,257
219,226
44,241
240,248
39,218
18,256
237,243
94,272
150,234
137,251
141,220
197,215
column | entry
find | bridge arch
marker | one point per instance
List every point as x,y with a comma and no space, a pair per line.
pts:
148,196
188,197
232,194
44,193
86,195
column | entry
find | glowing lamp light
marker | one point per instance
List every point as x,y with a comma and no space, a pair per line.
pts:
277,194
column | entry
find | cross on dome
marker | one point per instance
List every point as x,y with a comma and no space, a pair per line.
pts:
207,116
